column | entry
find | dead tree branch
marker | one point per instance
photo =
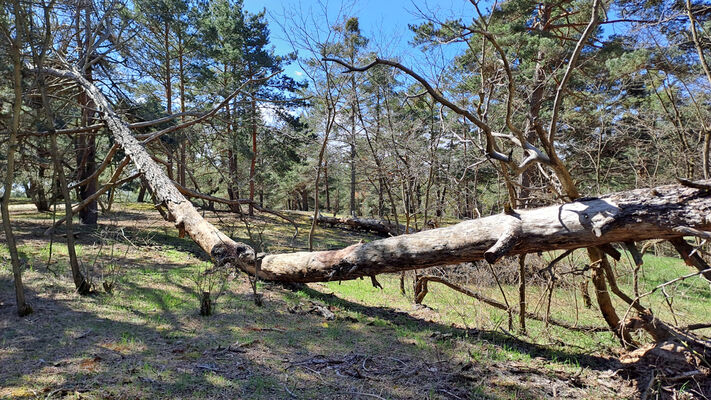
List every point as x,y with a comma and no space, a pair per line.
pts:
496,304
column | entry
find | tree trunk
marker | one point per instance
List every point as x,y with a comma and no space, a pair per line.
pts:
232,188
305,200
187,219
85,145
87,152
181,71
522,293
80,283
633,215
23,308
232,183
330,120
325,181
253,164
381,199
168,86
35,191
168,80
141,194
603,296
353,209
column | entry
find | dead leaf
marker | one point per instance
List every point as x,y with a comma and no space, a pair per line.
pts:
90,364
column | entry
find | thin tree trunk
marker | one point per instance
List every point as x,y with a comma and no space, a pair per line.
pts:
707,72
232,184
35,191
603,297
353,209
253,164
23,308
181,70
522,293
329,125
305,200
168,78
705,153
168,91
141,194
80,282
325,181
86,144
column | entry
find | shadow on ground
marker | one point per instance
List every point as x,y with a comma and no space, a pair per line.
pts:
95,348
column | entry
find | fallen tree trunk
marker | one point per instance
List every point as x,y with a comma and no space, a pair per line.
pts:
236,202
659,213
620,217
626,216
221,248
382,228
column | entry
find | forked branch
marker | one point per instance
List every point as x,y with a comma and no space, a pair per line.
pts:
534,154
491,150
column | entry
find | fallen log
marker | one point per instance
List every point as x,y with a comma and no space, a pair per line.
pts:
624,217
634,215
223,250
378,227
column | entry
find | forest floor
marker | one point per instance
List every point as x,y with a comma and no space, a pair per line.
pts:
336,340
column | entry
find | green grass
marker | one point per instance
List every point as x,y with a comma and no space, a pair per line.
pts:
151,342
689,299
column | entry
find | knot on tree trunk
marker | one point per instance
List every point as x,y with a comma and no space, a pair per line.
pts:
237,255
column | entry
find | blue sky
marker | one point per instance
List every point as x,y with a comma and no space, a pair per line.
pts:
385,22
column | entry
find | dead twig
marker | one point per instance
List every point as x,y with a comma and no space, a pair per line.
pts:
375,396
504,307
675,280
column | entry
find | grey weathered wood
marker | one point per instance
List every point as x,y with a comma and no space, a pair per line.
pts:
626,216
223,249
379,227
